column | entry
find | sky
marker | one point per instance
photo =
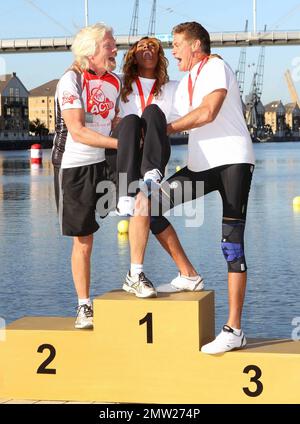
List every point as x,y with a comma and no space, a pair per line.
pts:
49,18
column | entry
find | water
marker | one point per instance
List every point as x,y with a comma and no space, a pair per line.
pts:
35,276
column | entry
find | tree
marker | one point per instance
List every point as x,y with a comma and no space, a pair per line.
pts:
37,127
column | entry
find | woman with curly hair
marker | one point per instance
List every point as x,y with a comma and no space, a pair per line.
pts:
145,108
146,104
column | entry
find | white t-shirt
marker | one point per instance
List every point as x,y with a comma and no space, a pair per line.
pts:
98,97
164,100
226,140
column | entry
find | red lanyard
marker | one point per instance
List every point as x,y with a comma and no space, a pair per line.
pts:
190,83
141,94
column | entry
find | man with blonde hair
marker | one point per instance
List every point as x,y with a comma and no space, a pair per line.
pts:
86,99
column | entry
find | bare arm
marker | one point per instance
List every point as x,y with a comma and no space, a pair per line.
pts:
202,115
75,122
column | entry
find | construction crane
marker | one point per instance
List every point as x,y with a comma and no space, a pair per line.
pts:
291,87
260,69
152,21
253,102
240,72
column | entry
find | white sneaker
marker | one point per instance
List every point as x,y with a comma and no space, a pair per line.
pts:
140,285
227,340
152,180
84,317
125,206
183,283
154,175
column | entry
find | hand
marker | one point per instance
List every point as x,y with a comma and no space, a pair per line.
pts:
115,122
169,129
114,143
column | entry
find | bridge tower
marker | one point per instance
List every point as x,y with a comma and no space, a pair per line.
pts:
134,21
152,21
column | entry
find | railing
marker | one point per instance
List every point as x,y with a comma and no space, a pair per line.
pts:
222,39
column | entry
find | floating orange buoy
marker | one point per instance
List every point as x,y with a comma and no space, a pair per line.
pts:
36,154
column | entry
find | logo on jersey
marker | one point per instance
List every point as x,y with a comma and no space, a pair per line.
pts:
99,104
68,98
174,185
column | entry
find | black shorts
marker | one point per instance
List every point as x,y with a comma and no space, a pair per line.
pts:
76,198
232,181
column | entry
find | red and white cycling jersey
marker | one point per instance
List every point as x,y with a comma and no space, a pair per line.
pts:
98,96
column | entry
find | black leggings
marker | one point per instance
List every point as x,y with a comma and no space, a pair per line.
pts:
232,181
133,159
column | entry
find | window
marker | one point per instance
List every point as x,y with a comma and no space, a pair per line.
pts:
43,101
17,92
8,111
11,92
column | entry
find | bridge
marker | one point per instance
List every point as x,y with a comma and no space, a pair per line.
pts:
220,39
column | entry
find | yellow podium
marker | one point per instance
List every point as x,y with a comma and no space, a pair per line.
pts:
143,351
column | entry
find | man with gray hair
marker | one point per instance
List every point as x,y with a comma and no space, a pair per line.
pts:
85,104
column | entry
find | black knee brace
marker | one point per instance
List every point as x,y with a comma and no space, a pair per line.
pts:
233,244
